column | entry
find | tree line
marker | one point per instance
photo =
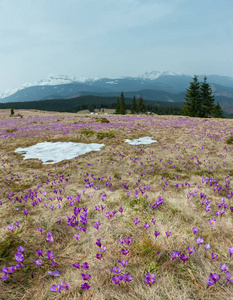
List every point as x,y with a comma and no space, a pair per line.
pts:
93,103
135,107
199,100
141,106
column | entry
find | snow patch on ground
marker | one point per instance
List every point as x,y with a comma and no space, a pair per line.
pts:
141,141
51,153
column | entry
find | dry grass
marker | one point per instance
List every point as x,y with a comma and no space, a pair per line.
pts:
185,152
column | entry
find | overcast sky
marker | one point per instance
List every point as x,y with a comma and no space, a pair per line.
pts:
113,38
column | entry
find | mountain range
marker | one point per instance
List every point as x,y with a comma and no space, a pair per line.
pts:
155,85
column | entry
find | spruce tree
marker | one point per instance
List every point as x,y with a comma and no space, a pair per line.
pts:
134,106
122,105
207,99
117,111
141,105
192,106
217,111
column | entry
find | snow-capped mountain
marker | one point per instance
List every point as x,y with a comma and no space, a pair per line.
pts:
50,80
153,75
151,85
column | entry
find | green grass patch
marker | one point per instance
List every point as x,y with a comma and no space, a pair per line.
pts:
230,140
11,130
102,120
109,134
145,248
8,244
87,131
138,203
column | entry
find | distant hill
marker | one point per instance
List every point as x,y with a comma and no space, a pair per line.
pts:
158,86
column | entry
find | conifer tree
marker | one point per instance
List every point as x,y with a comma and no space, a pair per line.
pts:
117,111
134,106
122,105
192,106
141,105
207,99
217,111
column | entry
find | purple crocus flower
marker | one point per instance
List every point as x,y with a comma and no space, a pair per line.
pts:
150,278
50,255
19,266
168,233
19,257
121,210
175,254
85,286
98,243
99,256
55,273
224,267
11,227
210,281
213,278
4,277
38,262
126,277
76,265
55,288
229,277
153,221
146,225
21,249
230,251
136,221
85,265
190,250
184,258
222,211
64,285
50,239
157,233
53,263
115,270
102,248
7,270
124,251
214,256
123,263
117,279
86,276
212,222
207,246
127,240
25,212
40,229
76,236
199,241
39,251
195,230
121,241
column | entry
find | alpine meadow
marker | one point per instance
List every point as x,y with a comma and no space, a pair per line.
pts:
130,221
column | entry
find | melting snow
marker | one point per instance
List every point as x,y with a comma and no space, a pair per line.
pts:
141,141
51,153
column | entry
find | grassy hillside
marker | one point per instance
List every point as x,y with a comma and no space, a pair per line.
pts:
123,220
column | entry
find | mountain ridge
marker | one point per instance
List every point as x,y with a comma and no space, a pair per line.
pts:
154,85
